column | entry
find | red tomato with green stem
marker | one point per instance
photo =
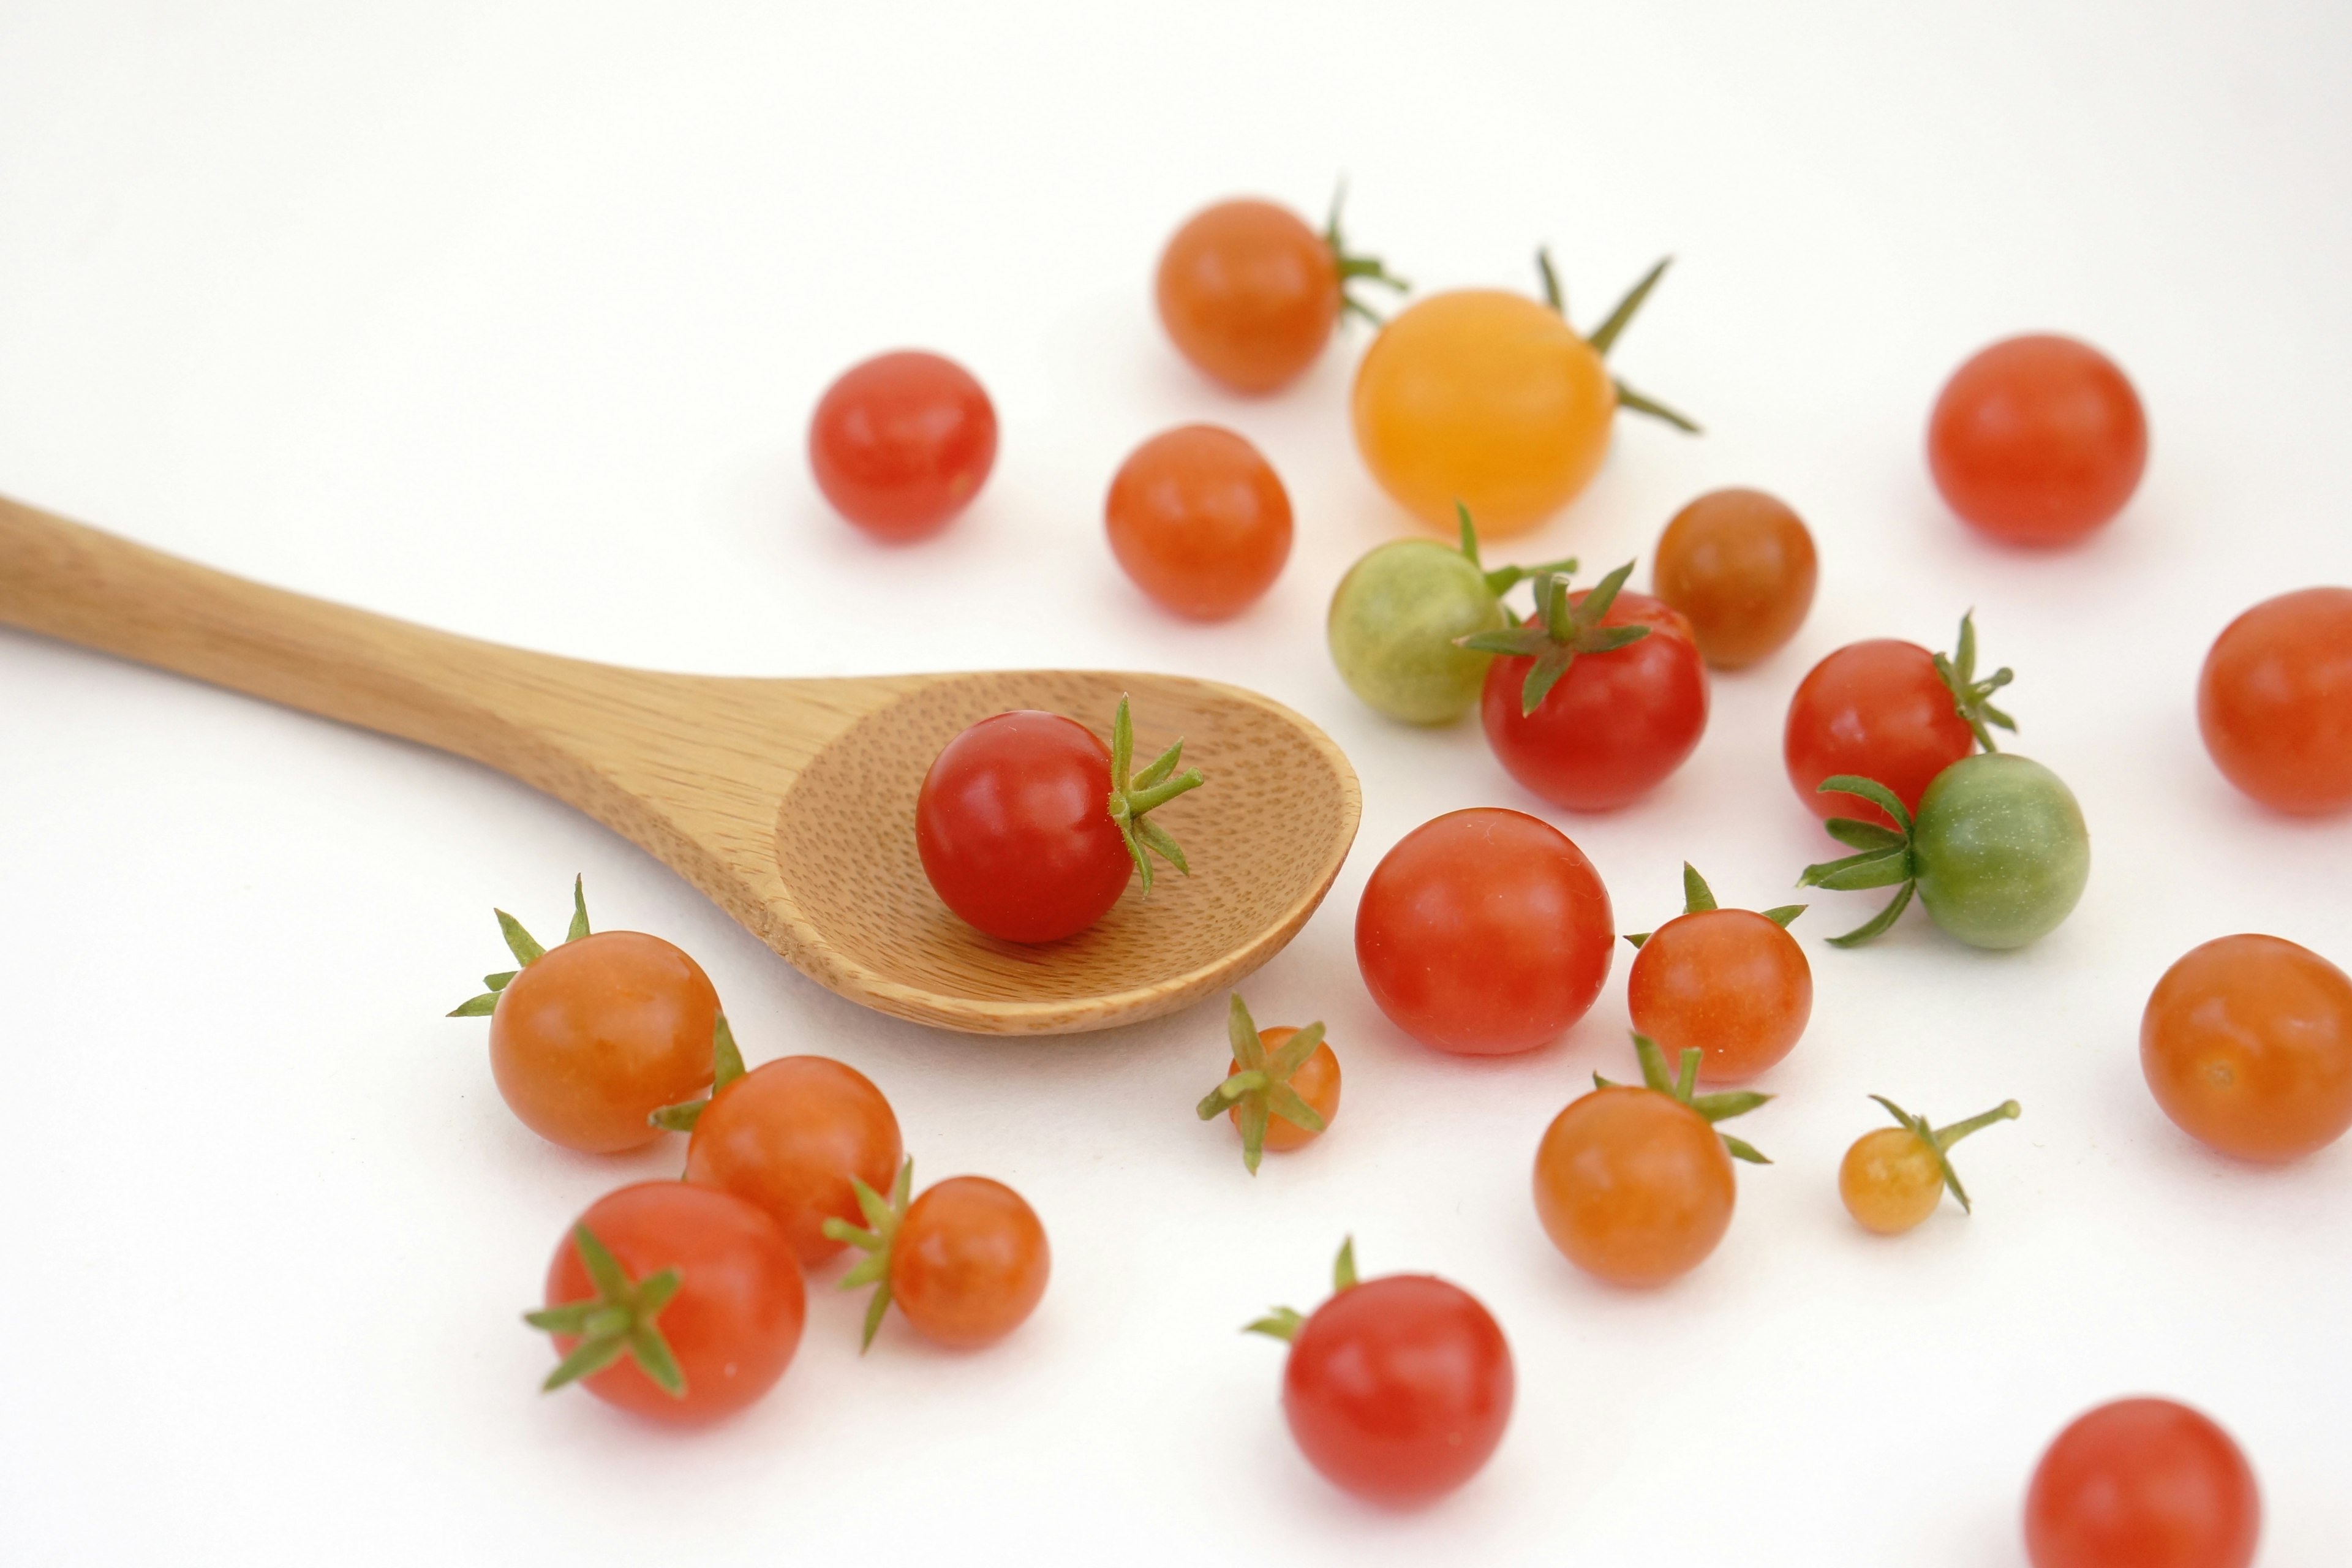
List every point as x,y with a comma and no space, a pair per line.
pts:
2037,440
589,1038
1397,1389
2275,701
1013,829
1484,931
966,1263
902,442
2143,1483
1199,520
1281,1088
1729,984
1891,711
674,1302
1591,704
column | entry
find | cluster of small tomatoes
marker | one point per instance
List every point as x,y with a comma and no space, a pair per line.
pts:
1487,930
683,1300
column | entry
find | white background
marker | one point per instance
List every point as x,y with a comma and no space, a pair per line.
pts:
507,320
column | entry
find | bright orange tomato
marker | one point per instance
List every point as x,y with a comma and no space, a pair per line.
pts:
591,1037
970,1262
1634,1187
2247,1045
1487,398
1317,1082
792,1135
1730,982
1199,518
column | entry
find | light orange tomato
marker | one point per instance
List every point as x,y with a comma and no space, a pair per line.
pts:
2247,1045
1317,1082
1634,1187
591,1037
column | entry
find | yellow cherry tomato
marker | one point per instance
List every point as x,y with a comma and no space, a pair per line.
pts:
1892,1179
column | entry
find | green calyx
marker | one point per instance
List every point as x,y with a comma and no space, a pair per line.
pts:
726,1066
1132,795
1677,1086
1353,267
1971,697
1560,632
1260,1088
526,949
1939,1139
617,1321
883,1217
1883,855
1284,1322
1503,579
1604,337
1697,899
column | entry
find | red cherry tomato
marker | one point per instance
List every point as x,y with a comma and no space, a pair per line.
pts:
1616,723
1398,1389
2037,440
1199,521
2143,1483
733,1325
790,1136
1484,931
2247,1045
591,1037
902,442
1879,710
2275,700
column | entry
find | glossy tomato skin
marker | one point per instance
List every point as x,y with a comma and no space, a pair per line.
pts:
1395,625
736,1318
1013,825
2037,440
1317,1082
2247,1045
2143,1483
1876,710
970,1262
1398,1389
1615,725
1199,520
2275,701
593,1037
1634,1187
902,442
1484,399
2000,849
1483,933
1727,982
789,1136
1248,293
1890,1181
1741,566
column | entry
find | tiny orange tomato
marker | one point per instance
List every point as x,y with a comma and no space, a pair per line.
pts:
1281,1088
1892,1179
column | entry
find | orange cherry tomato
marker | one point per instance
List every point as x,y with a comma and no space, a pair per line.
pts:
1741,566
1892,1179
1731,984
1199,521
792,1135
1634,1187
2037,440
1249,293
591,1037
2275,701
1317,1082
2247,1045
970,1262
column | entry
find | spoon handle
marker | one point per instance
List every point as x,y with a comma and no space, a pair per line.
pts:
494,704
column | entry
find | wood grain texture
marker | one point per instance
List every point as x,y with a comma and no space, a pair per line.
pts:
789,803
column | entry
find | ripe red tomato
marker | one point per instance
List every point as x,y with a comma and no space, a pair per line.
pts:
1616,724
2275,700
2247,1045
1250,294
967,1262
1484,931
1199,521
591,1037
1876,710
675,1301
1732,985
2143,1483
1016,827
902,442
790,1136
1397,1389
2037,440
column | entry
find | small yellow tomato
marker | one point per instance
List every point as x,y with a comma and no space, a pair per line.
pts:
1893,1178
1485,397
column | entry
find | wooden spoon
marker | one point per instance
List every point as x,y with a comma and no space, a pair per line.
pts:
790,803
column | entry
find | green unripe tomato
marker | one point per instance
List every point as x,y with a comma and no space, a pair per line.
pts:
1999,850
1393,620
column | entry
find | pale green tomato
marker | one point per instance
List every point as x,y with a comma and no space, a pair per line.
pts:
1394,619
1999,850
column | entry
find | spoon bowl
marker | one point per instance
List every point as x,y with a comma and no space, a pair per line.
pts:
790,803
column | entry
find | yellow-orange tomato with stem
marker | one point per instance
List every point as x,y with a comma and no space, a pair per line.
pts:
1281,1088
1732,985
1490,399
2247,1045
1893,1178
1740,564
